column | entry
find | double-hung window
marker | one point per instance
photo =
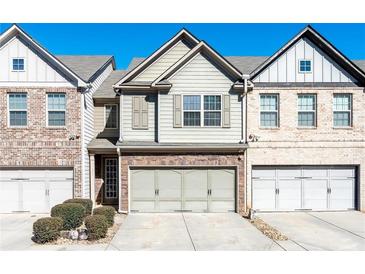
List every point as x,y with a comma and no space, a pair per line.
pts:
269,110
192,110
342,110
18,109
306,110
202,110
111,116
56,107
18,64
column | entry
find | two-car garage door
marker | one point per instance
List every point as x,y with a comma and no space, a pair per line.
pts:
34,190
303,188
182,189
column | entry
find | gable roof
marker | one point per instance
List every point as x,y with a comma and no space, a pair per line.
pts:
246,64
15,30
86,66
201,47
310,33
183,34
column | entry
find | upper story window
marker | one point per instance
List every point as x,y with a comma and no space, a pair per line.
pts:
56,108
307,110
18,109
18,64
269,110
342,110
111,116
305,66
202,110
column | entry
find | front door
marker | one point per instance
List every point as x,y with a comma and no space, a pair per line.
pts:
110,181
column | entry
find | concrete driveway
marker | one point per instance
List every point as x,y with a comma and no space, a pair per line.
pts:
320,230
16,230
189,231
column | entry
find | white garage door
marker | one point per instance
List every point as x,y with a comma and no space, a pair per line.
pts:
173,190
34,190
303,188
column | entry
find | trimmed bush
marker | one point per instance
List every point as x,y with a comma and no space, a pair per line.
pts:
86,203
107,211
72,214
47,229
97,226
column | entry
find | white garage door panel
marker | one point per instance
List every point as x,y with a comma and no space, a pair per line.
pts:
222,190
264,194
315,194
342,193
195,184
289,194
9,196
169,187
34,190
143,190
306,187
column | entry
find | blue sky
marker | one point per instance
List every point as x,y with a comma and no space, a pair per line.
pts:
125,41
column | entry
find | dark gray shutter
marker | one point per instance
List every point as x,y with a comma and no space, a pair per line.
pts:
177,110
226,111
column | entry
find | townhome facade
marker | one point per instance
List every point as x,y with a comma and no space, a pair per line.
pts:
187,129
46,122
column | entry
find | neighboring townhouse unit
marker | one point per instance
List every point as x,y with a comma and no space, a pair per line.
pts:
46,122
306,128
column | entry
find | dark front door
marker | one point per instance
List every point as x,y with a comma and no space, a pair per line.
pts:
110,181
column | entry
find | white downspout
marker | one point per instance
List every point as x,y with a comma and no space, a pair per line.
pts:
243,112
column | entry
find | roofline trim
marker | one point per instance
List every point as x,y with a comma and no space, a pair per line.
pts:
15,27
155,54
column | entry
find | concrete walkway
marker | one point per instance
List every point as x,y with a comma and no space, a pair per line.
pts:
189,231
337,231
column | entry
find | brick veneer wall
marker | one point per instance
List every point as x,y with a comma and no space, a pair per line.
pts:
37,145
322,145
179,160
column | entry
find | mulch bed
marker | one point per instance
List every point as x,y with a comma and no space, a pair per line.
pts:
268,230
118,220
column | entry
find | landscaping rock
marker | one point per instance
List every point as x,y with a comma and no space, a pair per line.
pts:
83,234
73,235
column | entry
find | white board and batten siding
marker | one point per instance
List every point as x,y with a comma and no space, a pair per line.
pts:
201,77
286,67
131,134
164,62
87,105
37,71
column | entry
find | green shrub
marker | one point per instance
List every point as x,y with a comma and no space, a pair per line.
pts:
86,203
47,229
72,214
97,226
107,211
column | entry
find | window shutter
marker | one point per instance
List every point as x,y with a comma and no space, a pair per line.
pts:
144,113
135,112
177,110
226,111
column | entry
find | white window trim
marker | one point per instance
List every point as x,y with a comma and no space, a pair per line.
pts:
334,110
305,71
105,105
269,111
47,110
12,67
308,111
201,110
105,174
8,107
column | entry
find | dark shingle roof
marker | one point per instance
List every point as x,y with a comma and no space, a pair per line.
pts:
360,64
135,62
106,88
246,64
85,66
